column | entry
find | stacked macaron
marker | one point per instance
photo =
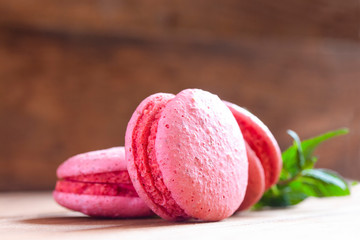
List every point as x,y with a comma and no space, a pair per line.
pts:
188,155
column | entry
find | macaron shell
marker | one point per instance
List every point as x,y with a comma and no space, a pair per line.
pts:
103,206
92,195
106,160
261,141
201,154
141,187
256,184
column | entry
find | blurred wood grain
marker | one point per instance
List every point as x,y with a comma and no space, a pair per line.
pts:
202,18
72,73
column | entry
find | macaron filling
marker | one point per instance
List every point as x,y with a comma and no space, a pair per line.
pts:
149,174
115,183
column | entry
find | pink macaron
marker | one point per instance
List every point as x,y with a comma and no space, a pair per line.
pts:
263,152
186,156
97,184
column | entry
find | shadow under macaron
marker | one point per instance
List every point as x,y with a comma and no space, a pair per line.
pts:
84,223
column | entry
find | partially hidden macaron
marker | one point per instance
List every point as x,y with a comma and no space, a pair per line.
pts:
97,184
263,152
186,156
256,183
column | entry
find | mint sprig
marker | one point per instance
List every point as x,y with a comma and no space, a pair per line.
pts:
299,179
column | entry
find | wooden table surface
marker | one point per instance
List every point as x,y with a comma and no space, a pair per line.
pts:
36,216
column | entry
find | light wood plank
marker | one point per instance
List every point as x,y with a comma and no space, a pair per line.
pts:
37,216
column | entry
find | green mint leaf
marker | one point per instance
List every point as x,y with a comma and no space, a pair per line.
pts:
296,193
299,180
296,159
310,145
299,151
284,196
323,183
271,200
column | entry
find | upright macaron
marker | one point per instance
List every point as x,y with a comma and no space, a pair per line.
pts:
97,184
186,156
262,148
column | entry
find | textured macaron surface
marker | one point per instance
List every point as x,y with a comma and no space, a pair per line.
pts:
99,161
194,156
101,172
143,136
261,141
103,206
141,132
97,183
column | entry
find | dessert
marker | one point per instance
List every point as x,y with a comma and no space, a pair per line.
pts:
261,147
186,156
97,184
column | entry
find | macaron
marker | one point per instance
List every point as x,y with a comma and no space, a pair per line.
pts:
256,183
262,148
97,184
186,156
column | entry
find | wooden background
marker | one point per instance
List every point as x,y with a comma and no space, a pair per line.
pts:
72,72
